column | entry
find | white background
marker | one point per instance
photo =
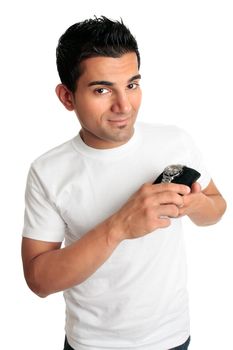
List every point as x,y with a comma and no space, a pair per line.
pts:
187,56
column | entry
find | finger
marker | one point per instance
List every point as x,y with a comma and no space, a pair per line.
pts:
171,187
164,222
168,210
196,187
182,212
169,198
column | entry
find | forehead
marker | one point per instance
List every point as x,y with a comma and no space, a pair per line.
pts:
109,68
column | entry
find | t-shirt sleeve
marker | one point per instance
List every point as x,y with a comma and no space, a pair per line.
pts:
195,160
42,220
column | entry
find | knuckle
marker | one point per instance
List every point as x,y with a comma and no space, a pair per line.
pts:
167,186
168,197
173,198
174,211
145,189
146,202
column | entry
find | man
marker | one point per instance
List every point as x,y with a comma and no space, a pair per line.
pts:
122,268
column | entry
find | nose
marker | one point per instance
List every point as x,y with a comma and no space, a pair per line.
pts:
121,104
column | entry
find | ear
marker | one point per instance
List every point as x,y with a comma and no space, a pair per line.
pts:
65,96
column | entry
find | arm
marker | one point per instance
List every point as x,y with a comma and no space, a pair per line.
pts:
48,268
204,207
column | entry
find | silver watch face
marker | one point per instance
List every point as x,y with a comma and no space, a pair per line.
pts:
172,171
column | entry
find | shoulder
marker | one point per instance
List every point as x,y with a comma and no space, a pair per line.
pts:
56,158
51,169
54,153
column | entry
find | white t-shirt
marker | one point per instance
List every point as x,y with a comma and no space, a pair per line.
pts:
137,299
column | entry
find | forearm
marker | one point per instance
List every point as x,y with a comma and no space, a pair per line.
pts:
49,269
208,210
60,269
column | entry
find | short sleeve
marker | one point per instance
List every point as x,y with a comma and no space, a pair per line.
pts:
42,220
196,160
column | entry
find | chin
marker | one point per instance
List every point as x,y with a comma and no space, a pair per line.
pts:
123,135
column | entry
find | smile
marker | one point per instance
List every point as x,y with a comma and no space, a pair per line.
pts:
119,121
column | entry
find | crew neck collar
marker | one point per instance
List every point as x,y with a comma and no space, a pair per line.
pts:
109,153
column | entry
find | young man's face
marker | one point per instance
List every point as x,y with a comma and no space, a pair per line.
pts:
107,99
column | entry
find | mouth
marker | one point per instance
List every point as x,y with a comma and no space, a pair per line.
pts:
118,121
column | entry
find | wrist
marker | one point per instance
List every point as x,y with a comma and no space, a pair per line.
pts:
206,212
115,231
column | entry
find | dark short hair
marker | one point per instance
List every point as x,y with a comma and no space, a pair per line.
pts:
91,38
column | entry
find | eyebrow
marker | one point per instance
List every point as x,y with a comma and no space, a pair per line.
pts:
109,83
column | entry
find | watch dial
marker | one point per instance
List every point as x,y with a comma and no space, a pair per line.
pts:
172,170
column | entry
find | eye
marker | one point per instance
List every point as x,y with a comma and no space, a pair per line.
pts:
101,91
133,86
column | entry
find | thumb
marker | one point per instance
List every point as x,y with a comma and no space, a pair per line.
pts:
196,187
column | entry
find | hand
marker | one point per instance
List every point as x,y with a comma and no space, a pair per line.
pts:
149,209
203,207
192,200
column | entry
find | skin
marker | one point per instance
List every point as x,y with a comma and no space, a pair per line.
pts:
106,102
